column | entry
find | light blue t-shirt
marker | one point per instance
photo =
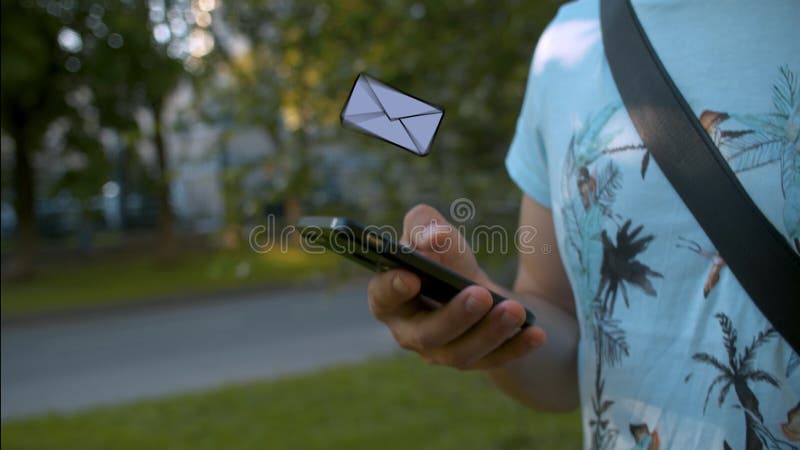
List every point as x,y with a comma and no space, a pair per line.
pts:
673,353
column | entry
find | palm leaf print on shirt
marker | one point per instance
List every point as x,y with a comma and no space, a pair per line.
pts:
771,138
739,373
606,262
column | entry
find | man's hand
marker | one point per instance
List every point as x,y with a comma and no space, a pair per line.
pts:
466,333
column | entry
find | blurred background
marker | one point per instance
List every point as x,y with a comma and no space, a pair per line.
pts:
141,143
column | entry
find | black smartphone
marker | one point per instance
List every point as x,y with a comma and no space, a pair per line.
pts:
378,251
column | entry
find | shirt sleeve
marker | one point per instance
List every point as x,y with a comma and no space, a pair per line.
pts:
526,161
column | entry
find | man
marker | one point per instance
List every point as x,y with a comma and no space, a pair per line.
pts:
640,323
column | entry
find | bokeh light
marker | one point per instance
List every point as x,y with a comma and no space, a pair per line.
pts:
70,40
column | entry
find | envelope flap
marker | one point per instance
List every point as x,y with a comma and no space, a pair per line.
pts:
422,129
362,100
397,104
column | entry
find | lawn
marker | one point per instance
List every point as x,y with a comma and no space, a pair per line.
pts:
127,280
395,403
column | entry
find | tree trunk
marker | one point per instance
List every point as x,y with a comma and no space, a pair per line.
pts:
597,432
292,208
752,442
24,198
298,184
167,246
231,233
123,161
749,402
86,231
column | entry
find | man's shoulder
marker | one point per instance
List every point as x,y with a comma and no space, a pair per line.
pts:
569,37
579,8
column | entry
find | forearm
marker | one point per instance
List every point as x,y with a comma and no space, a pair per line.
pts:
545,378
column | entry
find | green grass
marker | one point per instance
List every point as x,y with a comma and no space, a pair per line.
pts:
130,280
397,403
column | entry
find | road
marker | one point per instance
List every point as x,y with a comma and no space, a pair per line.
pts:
68,364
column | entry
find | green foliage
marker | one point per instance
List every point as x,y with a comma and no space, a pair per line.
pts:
286,68
135,72
397,403
470,57
106,70
34,78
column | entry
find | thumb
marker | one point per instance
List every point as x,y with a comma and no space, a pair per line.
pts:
436,237
417,221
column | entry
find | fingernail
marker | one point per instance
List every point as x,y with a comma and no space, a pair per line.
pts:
425,235
472,305
399,285
432,230
510,320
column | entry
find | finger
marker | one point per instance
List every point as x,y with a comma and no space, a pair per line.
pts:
518,346
389,293
425,331
502,322
417,220
438,238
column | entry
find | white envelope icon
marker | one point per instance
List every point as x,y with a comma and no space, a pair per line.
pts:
386,113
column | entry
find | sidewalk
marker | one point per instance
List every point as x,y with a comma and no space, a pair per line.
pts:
65,365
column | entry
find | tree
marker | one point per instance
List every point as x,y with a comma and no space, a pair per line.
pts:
620,266
770,138
51,49
301,57
128,72
737,373
34,83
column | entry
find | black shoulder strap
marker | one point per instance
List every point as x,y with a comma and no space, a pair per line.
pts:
759,256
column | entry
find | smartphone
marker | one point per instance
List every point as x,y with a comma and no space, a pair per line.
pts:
379,252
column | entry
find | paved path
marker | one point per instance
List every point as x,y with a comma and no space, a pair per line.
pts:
71,364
